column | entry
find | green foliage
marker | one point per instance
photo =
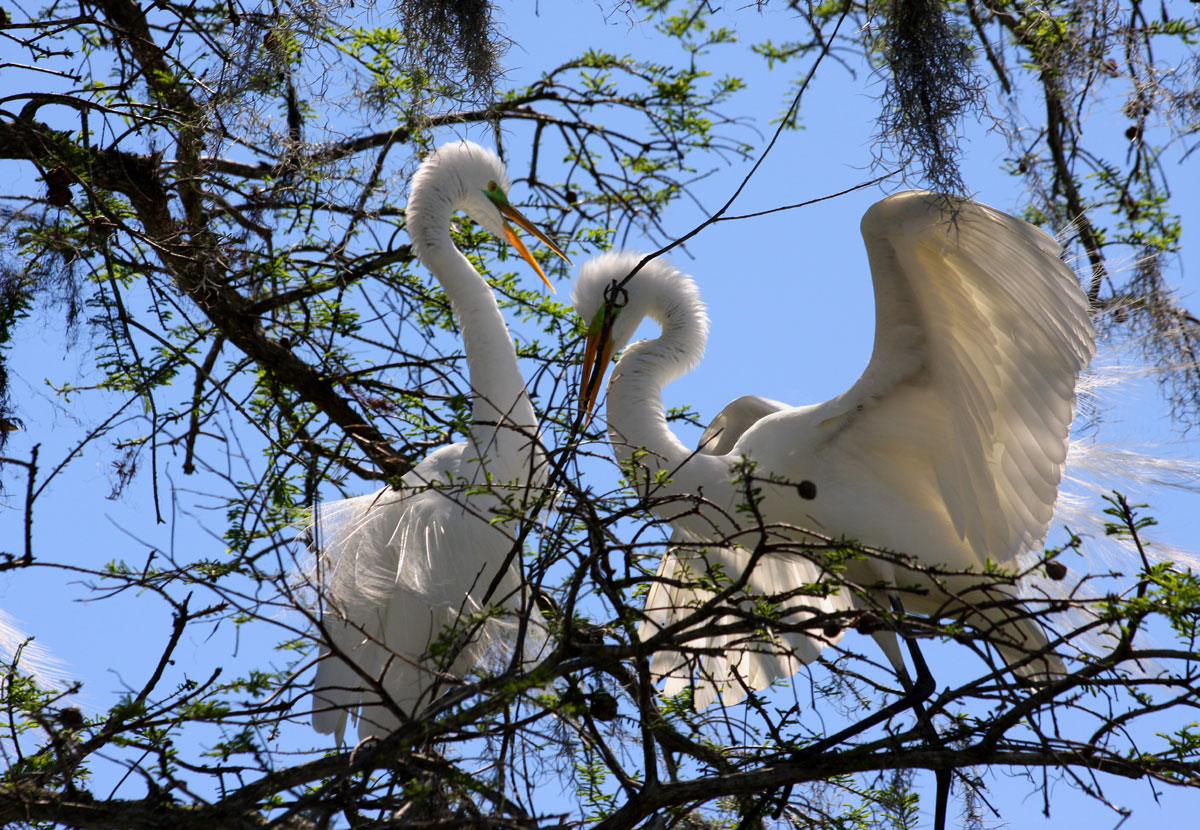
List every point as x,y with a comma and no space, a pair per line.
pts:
590,778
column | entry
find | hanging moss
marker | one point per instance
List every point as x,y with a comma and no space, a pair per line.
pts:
930,85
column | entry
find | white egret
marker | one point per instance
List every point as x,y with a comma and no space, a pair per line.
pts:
949,448
400,568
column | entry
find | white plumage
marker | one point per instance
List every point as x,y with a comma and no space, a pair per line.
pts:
47,670
949,448
418,585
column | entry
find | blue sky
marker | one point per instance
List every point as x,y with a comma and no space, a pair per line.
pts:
789,296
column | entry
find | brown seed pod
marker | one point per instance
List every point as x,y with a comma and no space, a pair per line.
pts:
101,227
58,176
603,706
1056,570
58,195
868,623
71,718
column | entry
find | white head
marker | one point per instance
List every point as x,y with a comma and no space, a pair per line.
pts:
613,311
464,176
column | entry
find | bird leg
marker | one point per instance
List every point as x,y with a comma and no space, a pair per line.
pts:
924,722
916,691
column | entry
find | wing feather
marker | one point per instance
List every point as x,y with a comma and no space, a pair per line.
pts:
737,417
981,333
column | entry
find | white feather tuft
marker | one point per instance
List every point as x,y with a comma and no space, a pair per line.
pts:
29,656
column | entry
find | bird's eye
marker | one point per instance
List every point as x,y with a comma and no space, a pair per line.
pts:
495,193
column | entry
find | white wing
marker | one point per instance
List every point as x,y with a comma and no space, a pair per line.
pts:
960,421
737,417
400,570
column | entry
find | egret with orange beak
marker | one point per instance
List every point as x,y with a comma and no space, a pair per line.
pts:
403,568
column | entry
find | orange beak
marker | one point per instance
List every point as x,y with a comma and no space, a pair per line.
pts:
596,357
512,213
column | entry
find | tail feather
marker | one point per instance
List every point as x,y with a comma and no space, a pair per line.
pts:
729,665
1020,638
335,692
1032,659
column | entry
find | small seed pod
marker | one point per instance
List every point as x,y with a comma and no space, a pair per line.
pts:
58,195
101,227
71,718
603,706
58,175
868,623
831,629
1056,570
807,490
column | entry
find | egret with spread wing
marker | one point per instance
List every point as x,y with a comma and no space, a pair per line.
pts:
949,448
414,581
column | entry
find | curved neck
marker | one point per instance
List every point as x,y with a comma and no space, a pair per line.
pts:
636,416
497,386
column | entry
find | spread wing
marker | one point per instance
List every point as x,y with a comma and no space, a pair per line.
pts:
981,334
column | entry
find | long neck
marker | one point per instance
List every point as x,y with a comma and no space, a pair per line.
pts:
636,417
498,388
